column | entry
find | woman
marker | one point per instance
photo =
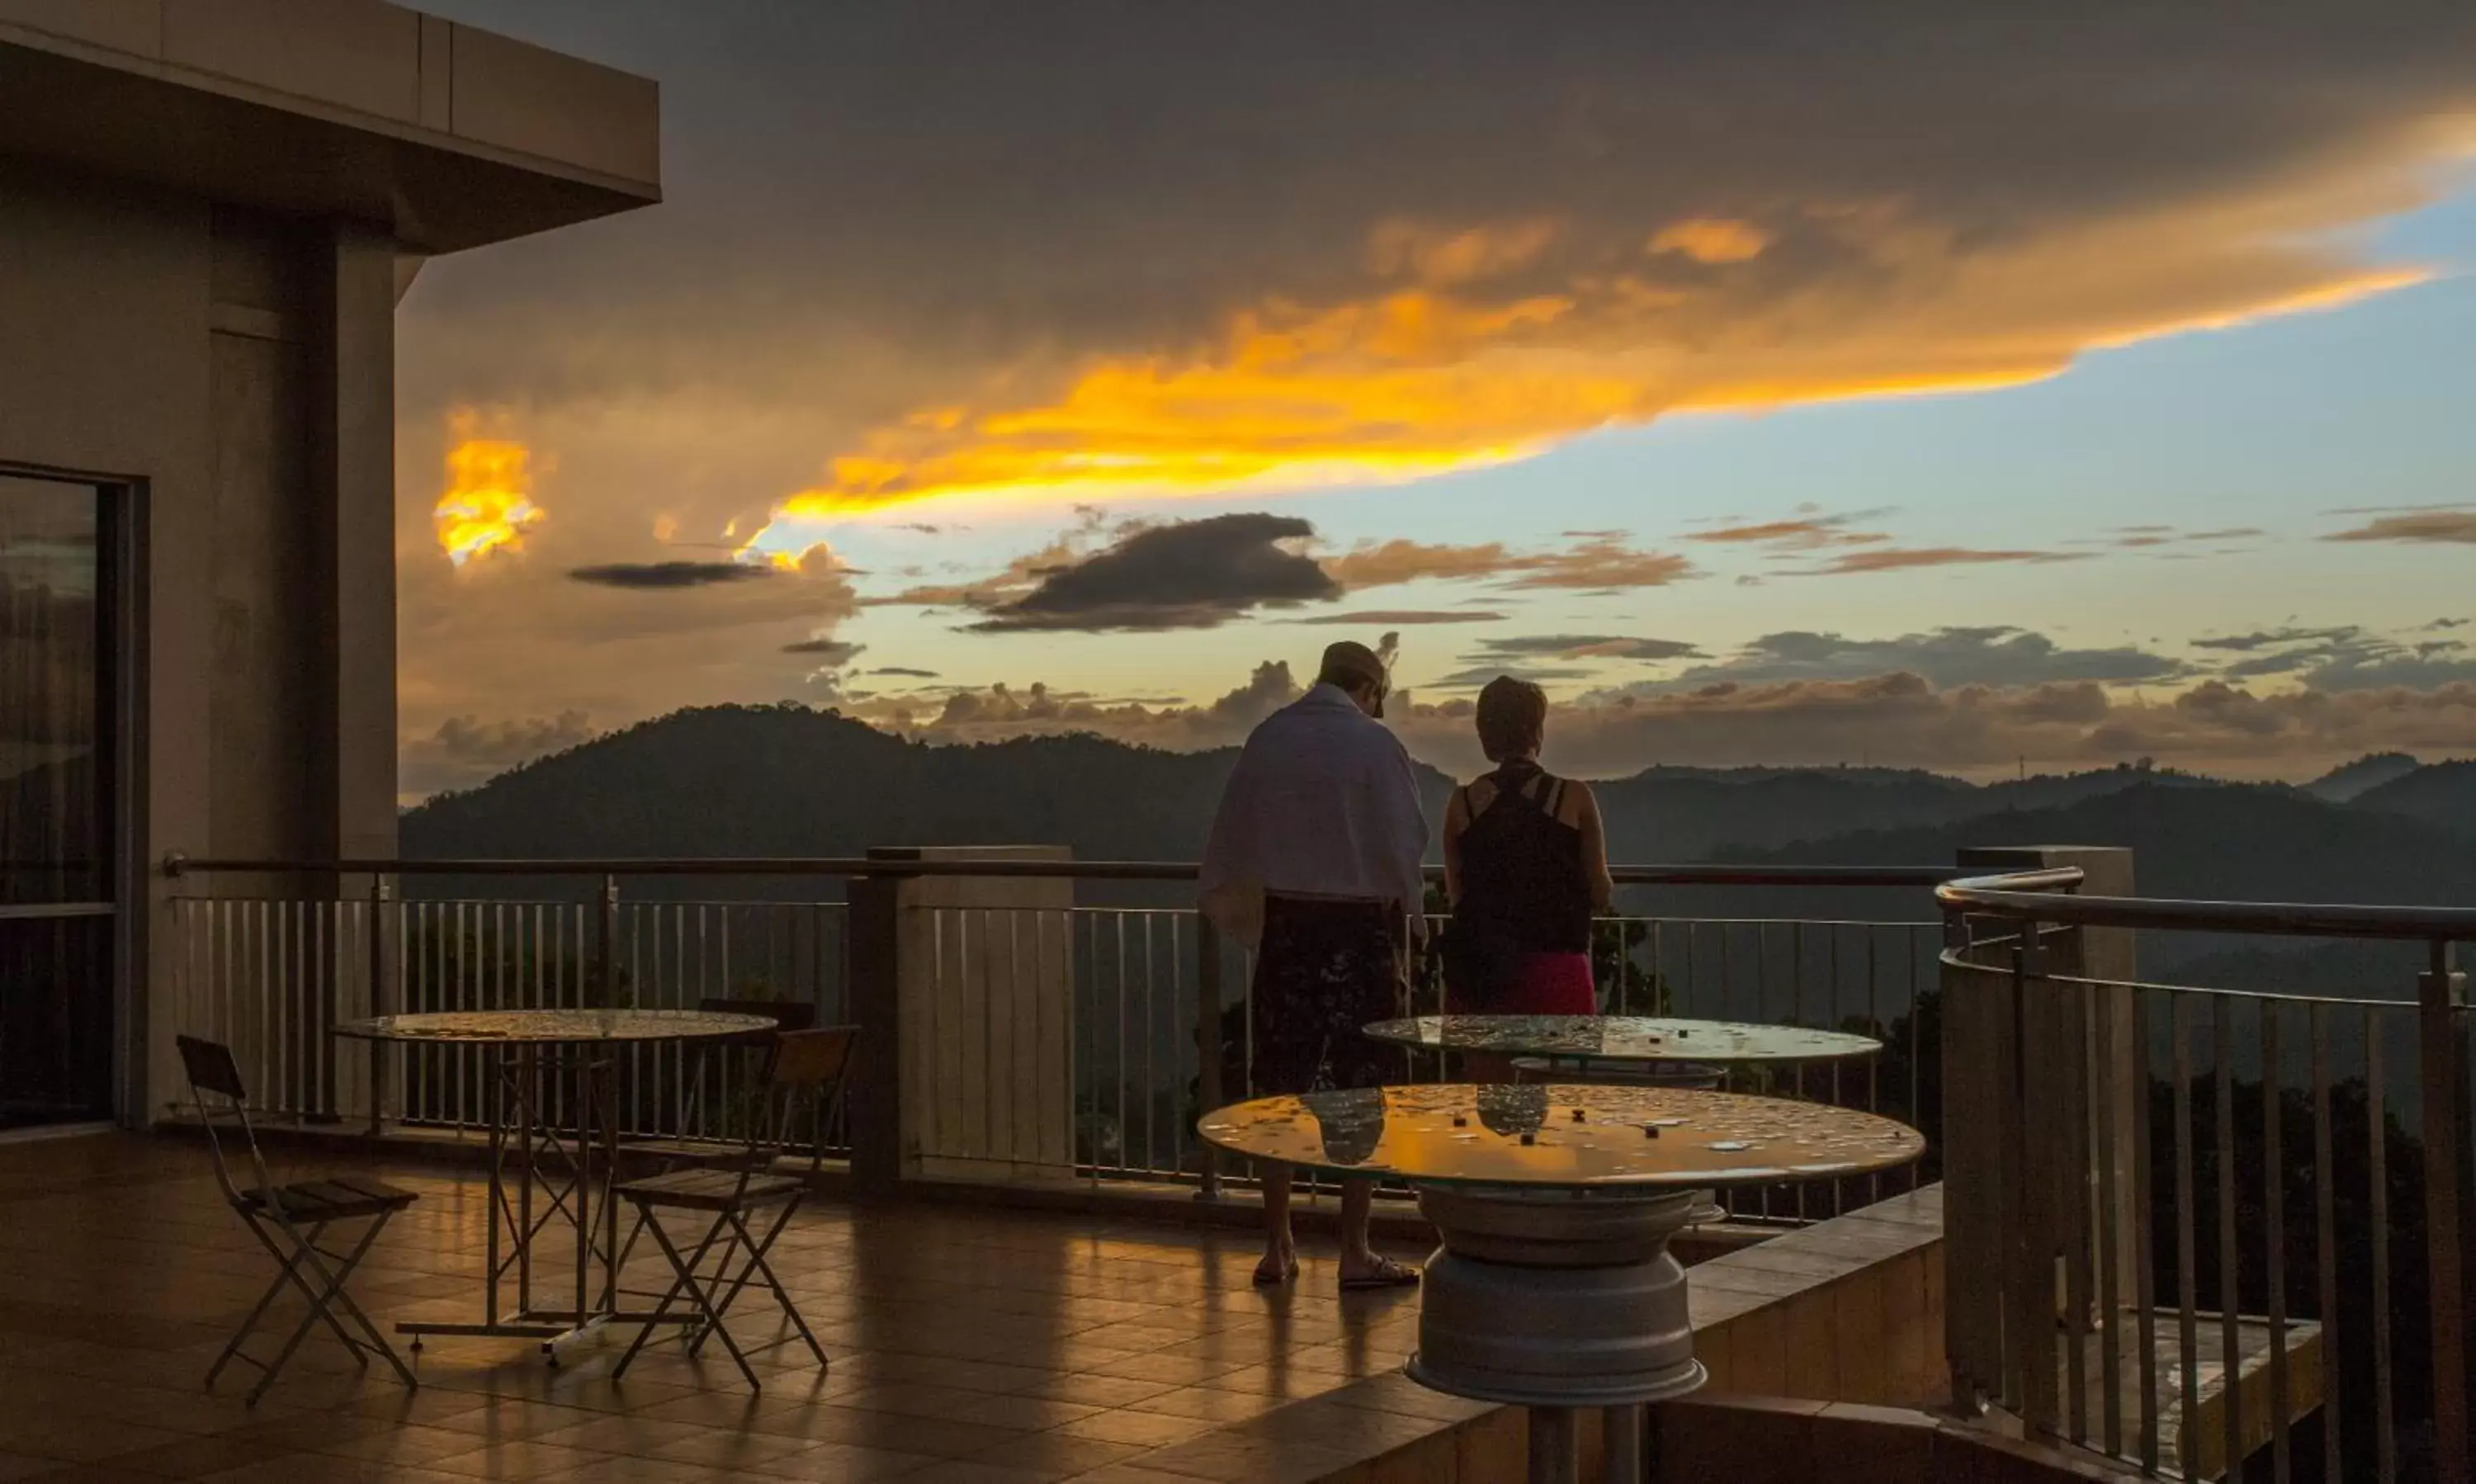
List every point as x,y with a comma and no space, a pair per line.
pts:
1525,869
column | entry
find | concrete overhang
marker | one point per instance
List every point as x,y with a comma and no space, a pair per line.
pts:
444,136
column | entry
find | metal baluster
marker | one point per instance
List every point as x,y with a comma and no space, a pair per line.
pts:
2441,1040
2230,1255
2072,1053
2188,1332
2325,1249
2377,1162
1151,1083
2108,1249
2273,1200
2145,1272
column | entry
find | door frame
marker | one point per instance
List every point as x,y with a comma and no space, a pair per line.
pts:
120,590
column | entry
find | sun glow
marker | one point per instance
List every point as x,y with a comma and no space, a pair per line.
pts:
488,505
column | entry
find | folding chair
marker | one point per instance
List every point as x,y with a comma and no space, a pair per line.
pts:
733,1054
805,1064
287,1220
743,1059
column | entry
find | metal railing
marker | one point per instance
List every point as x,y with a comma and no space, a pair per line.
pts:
1038,1033
2205,1230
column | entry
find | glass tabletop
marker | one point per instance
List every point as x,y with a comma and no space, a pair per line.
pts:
1622,1038
552,1026
1558,1135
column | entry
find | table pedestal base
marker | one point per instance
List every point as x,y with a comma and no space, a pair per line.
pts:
1554,1300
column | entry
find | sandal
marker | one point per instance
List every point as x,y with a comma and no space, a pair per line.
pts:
1386,1274
1267,1278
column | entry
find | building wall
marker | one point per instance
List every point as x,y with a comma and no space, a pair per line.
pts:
237,371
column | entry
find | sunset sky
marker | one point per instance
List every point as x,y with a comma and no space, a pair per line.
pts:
1932,384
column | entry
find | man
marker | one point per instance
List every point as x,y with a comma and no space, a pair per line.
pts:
1314,863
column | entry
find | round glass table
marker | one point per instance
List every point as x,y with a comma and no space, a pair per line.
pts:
571,1162
1622,1038
1553,1287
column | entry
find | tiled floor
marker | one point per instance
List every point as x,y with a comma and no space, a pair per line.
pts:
967,1343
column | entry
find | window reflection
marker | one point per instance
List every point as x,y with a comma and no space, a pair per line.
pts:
52,817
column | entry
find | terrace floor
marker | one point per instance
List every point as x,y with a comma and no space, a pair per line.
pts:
967,1343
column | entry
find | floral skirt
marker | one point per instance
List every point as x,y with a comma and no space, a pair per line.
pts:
1322,969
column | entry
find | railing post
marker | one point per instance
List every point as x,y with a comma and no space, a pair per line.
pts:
1208,1091
2441,1036
874,997
1971,1172
381,1001
606,946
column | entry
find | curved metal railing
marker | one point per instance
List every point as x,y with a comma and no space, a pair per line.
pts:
2195,1226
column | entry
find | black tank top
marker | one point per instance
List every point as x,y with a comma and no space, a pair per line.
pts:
1522,866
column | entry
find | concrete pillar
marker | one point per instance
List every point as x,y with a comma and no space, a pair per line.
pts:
2022,1085
964,988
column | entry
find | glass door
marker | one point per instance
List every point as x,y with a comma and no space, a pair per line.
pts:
59,872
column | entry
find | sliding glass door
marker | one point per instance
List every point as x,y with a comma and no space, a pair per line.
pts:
59,872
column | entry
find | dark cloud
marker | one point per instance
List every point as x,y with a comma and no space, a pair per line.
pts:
669,575
1989,656
1405,617
2345,658
2275,638
2142,537
905,670
1586,646
1476,676
828,654
987,714
1187,575
2452,527
2210,725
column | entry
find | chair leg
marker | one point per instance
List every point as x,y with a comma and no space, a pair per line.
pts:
756,1260
282,1280
755,1265
695,1291
322,1303
729,1254
683,1282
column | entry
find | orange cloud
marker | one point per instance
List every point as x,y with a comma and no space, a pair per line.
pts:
1441,257
1902,558
1489,357
1595,560
1711,240
488,505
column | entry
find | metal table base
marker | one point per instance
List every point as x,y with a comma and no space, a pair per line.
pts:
1557,1300
572,1162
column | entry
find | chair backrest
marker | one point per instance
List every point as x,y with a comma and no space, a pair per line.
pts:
807,1066
812,1059
211,1068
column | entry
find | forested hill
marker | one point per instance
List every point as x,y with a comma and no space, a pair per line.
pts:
748,780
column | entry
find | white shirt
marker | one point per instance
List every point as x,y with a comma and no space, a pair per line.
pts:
1323,803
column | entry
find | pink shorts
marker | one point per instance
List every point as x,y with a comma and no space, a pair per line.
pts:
1549,984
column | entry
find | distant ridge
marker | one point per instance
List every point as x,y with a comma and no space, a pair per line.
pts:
2348,780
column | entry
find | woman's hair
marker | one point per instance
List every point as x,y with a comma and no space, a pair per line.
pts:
1512,718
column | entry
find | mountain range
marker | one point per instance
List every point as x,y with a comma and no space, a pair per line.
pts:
787,780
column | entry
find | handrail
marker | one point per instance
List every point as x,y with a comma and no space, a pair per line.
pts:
176,864
2028,894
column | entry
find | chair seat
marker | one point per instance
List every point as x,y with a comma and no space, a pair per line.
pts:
708,1190
331,1201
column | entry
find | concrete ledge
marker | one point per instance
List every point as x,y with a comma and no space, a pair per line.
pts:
445,135
1836,1316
